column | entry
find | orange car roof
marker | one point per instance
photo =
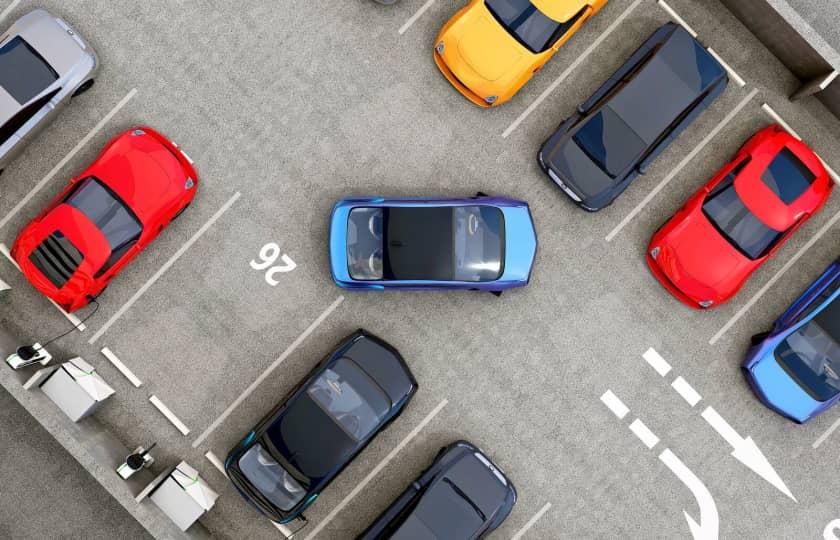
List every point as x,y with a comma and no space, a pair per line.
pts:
560,10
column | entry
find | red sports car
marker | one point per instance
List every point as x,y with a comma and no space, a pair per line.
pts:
106,216
730,227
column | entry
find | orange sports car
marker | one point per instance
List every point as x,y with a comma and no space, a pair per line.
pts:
491,48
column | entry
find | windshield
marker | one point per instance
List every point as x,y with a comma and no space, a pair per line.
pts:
787,176
269,478
812,354
528,24
737,224
109,214
445,243
609,142
350,399
23,73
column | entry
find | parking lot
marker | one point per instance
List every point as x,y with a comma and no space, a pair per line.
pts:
286,107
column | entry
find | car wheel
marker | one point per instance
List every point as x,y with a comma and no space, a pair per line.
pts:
758,338
496,293
83,88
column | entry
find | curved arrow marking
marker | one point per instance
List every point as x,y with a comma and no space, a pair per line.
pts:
709,524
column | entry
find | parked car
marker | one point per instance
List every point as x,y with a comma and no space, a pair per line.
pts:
616,134
480,243
462,495
491,48
298,448
794,368
732,225
107,215
43,64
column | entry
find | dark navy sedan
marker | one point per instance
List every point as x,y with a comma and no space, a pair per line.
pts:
795,367
618,132
285,462
461,496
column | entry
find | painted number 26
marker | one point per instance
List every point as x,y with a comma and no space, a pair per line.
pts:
269,254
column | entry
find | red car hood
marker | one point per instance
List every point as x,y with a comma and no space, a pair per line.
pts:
700,262
83,234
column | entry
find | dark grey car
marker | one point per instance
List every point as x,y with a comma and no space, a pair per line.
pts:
618,132
43,63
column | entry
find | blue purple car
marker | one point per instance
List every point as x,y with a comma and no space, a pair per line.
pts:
478,243
795,368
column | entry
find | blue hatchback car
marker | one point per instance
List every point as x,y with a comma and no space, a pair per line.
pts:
479,243
795,368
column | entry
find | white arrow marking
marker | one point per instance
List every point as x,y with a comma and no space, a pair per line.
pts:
709,524
746,451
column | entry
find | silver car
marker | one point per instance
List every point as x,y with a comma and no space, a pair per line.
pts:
43,64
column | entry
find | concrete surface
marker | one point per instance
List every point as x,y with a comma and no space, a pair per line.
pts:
296,104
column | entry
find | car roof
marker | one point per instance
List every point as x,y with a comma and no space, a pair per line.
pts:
674,77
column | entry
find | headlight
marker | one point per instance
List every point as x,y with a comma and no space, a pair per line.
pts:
439,48
491,99
654,253
138,132
706,303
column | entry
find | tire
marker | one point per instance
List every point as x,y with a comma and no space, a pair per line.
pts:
87,85
758,338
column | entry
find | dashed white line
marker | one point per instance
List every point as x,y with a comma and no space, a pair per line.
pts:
531,522
657,362
614,404
168,264
688,393
547,92
361,485
169,415
9,9
127,373
416,16
827,434
291,348
86,139
674,15
751,302
686,160
80,326
644,434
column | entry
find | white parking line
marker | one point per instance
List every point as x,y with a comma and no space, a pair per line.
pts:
826,435
686,160
531,522
295,344
168,264
579,60
80,326
9,9
416,16
656,361
361,485
775,116
86,139
688,393
614,404
169,415
774,279
674,15
644,434
127,373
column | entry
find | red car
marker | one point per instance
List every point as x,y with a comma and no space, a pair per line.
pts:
106,216
730,227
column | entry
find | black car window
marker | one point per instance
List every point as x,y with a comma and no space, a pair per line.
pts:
787,176
273,481
24,115
528,25
105,210
57,258
23,72
741,228
350,398
609,142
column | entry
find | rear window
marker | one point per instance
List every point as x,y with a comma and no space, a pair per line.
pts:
609,142
788,177
23,72
57,259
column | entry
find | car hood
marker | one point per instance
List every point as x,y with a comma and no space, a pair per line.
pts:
43,32
520,244
780,391
487,48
